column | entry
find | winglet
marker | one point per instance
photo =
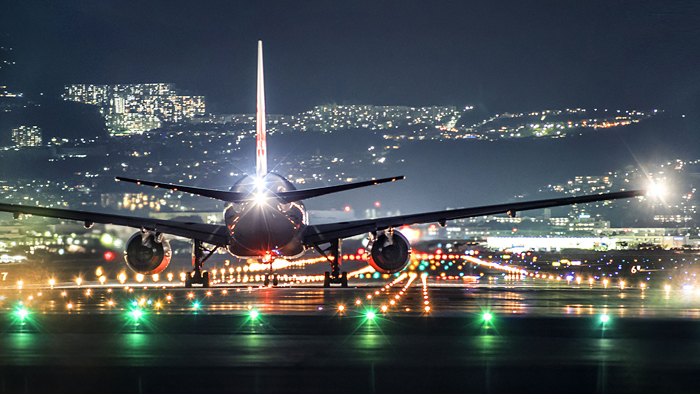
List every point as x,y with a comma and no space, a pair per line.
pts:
261,140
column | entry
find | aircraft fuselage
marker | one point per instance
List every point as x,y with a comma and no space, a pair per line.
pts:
265,224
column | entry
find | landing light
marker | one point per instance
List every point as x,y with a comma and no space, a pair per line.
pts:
259,184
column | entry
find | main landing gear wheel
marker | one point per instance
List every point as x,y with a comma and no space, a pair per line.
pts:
202,279
198,275
205,279
274,277
334,276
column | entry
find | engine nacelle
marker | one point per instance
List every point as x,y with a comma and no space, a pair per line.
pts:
147,253
389,255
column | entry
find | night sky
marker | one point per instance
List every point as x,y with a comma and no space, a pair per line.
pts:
498,55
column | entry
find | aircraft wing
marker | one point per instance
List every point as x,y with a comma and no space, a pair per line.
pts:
317,234
209,233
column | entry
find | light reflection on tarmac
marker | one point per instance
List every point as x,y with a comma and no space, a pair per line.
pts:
541,338
445,299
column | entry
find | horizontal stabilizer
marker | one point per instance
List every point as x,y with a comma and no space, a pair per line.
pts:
297,195
290,196
218,194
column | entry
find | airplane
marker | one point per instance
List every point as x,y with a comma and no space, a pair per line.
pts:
265,218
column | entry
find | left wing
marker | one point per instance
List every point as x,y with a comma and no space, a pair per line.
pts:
327,232
209,233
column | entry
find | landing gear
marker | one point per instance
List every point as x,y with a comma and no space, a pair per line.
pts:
334,276
198,276
275,279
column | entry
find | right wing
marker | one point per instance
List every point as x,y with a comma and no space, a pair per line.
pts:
327,232
209,233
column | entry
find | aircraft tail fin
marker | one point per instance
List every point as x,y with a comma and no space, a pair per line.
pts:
261,120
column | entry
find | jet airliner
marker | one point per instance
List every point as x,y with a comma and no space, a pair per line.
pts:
265,218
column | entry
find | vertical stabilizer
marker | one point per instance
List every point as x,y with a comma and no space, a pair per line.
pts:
261,121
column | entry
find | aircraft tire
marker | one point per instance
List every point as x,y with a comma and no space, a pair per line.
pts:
275,280
205,279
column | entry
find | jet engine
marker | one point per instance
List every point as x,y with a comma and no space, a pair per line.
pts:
147,253
389,252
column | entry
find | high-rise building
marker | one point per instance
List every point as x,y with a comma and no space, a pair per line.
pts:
26,136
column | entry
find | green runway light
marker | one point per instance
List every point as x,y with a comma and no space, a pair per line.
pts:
22,313
196,305
136,314
370,315
135,303
604,318
487,317
254,314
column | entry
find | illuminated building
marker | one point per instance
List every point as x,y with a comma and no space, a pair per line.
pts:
134,108
26,136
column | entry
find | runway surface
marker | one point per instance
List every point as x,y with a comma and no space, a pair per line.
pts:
541,338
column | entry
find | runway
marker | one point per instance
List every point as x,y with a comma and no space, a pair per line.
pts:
540,338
